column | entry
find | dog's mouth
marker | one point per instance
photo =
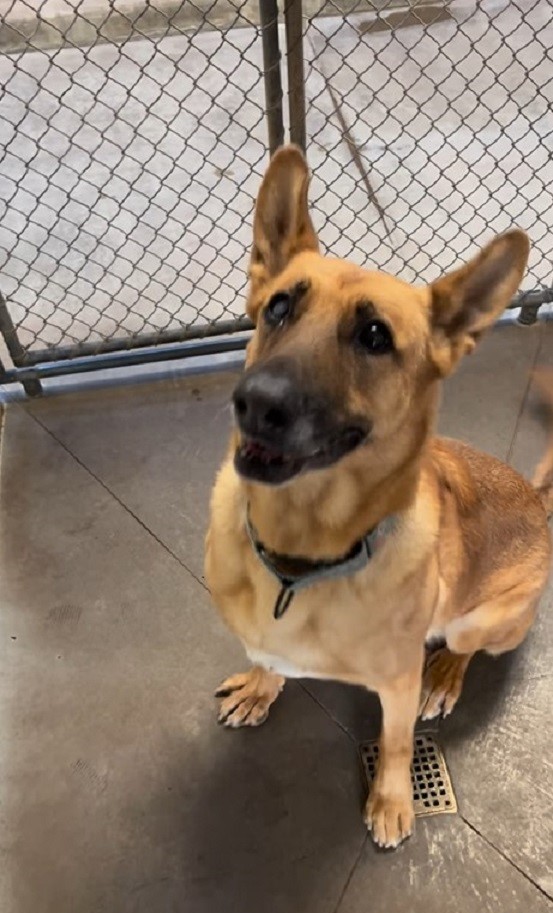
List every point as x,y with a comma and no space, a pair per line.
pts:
263,462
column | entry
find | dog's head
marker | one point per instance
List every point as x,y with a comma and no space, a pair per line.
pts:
343,359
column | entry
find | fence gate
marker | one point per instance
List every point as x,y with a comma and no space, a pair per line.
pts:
133,136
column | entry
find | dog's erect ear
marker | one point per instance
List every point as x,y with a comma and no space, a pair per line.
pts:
468,301
282,227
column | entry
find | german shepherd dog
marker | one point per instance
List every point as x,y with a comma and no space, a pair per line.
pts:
343,536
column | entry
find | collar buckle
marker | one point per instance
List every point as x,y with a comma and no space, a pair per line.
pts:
283,600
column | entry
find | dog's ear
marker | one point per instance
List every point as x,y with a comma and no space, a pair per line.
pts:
466,302
282,227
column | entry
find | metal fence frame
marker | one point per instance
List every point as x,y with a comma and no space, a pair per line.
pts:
30,366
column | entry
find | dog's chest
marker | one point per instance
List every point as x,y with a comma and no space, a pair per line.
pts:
338,630
281,665
358,628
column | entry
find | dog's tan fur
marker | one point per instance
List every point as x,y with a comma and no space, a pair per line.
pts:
469,555
543,479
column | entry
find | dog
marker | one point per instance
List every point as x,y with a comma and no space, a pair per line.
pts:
343,536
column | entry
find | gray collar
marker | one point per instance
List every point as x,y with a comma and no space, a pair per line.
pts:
295,573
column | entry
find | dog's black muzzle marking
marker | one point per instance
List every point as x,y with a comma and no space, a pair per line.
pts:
285,427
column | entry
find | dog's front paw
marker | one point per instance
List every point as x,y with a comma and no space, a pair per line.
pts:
246,697
390,818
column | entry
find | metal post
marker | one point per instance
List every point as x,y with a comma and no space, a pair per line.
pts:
32,387
4,378
268,13
530,303
296,80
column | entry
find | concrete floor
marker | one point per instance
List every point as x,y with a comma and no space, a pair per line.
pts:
118,791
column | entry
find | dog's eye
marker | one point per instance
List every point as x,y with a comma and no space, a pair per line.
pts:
376,338
278,309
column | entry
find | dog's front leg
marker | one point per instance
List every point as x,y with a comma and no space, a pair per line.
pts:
389,810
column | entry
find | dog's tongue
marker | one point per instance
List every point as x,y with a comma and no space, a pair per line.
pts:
257,451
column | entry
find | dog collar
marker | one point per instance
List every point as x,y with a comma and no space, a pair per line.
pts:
295,573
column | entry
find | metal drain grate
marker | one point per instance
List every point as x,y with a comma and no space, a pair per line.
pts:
432,790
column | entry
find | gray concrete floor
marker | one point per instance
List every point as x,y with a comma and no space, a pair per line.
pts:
118,791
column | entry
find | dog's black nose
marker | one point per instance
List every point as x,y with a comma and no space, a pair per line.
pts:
265,402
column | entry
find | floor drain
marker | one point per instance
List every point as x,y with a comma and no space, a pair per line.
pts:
432,790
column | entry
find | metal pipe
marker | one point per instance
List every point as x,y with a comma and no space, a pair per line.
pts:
144,341
296,80
3,373
268,13
530,303
124,359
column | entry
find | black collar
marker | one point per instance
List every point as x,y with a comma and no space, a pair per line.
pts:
295,573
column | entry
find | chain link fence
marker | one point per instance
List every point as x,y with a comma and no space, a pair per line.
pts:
132,140
133,135
449,106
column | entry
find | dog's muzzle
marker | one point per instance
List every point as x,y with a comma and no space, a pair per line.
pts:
286,428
